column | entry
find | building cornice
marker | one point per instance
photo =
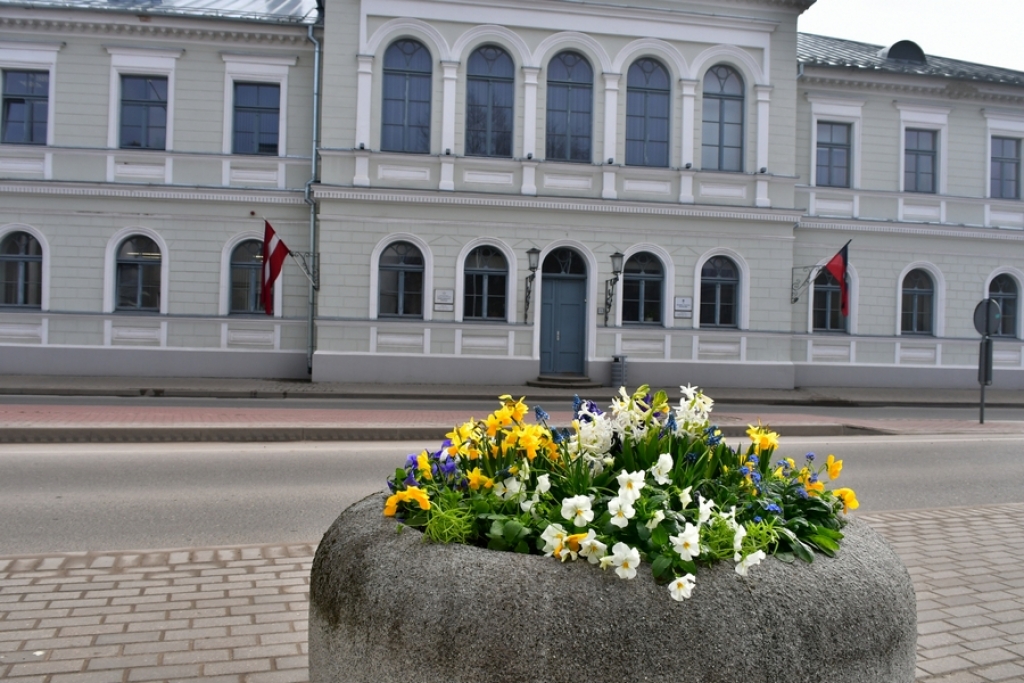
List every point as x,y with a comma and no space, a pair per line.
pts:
893,228
558,204
222,32
247,196
956,90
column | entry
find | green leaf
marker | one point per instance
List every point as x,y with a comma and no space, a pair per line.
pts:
786,557
642,531
513,531
801,550
523,548
661,566
659,536
823,543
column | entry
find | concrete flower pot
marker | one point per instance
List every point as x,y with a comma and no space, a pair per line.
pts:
385,607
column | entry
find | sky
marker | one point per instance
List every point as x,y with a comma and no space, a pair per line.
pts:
982,31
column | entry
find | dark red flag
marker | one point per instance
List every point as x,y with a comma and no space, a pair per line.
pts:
837,267
274,253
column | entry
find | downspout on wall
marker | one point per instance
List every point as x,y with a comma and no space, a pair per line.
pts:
314,176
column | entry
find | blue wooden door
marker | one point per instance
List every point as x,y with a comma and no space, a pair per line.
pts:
563,336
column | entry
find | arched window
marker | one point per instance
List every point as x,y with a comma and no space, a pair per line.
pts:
918,303
21,268
138,275
486,282
490,96
719,287
246,277
570,104
828,313
642,283
405,115
1004,290
722,139
400,281
648,91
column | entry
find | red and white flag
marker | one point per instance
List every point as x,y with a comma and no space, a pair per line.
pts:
274,253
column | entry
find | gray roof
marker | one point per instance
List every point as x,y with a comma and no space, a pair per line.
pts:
271,11
824,51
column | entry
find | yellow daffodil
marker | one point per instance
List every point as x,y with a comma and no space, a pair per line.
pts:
834,467
493,423
478,480
762,438
849,499
517,409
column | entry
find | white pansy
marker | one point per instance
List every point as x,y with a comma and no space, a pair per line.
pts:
687,544
705,508
508,489
730,518
655,520
662,469
630,484
625,560
737,539
622,511
577,509
591,548
684,497
554,537
682,587
543,483
749,561
528,504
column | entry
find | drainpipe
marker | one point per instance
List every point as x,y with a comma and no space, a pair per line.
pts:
314,176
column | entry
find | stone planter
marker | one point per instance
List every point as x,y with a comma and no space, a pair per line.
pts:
385,607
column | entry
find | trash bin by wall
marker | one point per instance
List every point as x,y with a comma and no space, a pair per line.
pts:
618,371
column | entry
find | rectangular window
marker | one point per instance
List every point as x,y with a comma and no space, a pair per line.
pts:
25,107
920,161
257,118
1005,168
833,159
143,112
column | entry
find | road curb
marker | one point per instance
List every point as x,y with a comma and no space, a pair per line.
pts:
29,435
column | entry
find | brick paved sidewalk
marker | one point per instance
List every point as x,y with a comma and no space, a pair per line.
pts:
239,615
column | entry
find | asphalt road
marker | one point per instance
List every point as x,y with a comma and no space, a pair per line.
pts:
483,407
77,497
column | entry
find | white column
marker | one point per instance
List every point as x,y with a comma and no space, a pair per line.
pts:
611,120
451,75
364,93
530,74
764,96
689,89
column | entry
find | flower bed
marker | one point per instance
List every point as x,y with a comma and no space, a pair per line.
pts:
647,492
644,482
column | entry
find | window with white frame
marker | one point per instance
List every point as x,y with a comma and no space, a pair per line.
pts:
569,108
833,155
722,130
828,304
138,275
830,112
400,281
924,133
1005,170
648,100
25,113
405,116
485,284
643,280
21,271
719,292
246,277
141,110
918,306
1003,289
27,89
256,104
490,100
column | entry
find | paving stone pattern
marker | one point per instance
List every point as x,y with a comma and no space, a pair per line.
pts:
239,615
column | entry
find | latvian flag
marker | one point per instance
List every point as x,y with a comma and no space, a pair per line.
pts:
837,267
274,253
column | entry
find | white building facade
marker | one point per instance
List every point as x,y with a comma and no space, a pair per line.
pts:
508,191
